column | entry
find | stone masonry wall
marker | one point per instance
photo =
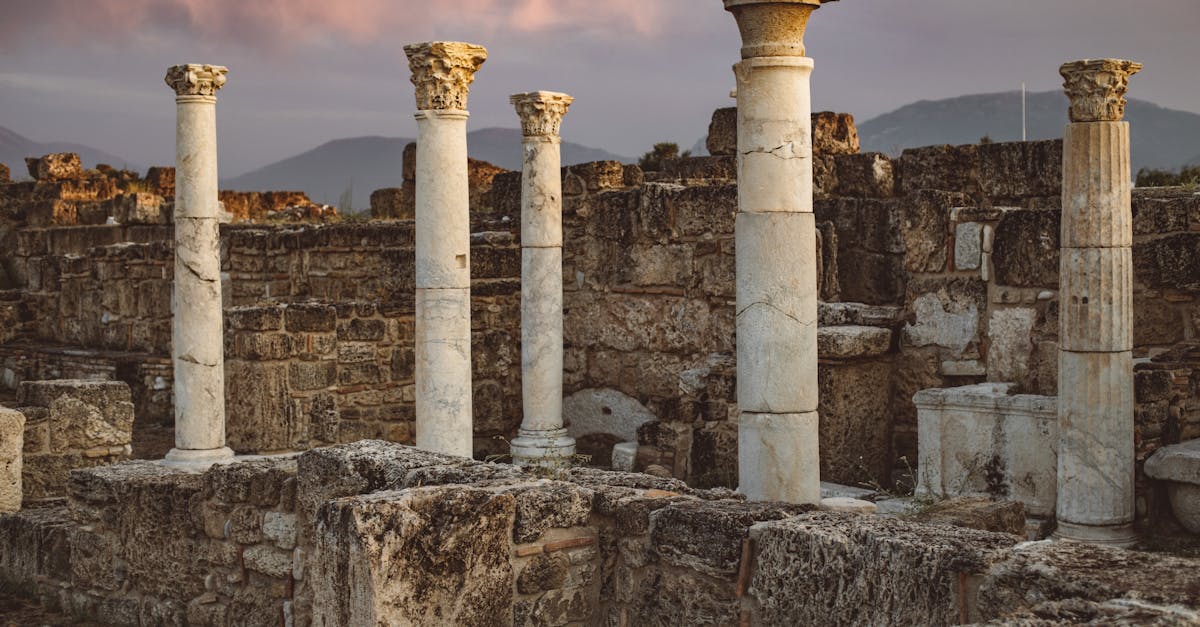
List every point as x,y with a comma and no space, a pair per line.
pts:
376,533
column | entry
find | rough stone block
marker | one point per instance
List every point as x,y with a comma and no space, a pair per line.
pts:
310,317
945,168
1010,347
834,134
1012,171
722,132
55,166
850,341
1168,262
707,536
976,512
925,229
864,176
1025,251
865,570
425,555
139,208
4,174
856,421
12,441
388,203
968,245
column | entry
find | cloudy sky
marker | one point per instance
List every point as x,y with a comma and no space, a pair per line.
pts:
303,72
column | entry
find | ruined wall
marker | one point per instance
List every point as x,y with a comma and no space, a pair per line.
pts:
375,533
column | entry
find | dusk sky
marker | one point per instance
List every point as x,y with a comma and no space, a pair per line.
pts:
303,72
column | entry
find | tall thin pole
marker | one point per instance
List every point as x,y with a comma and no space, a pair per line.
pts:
1024,134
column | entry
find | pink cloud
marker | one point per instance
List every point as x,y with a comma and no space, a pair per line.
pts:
277,24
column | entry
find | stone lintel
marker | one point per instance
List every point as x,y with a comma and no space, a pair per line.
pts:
541,112
443,71
1097,88
196,79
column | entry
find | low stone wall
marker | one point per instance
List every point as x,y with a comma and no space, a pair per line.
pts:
379,533
71,424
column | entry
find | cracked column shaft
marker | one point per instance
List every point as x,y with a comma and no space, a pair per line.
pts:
541,440
778,457
442,73
197,328
1095,500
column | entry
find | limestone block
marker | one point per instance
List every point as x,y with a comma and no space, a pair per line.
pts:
55,166
975,512
856,421
1036,572
1096,312
1177,462
420,556
834,134
1168,262
946,313
925,229
776,312
778,457
968,240
722,132
139,208
443,370
624,454
1013,171
1010,345
4,174
12,430
707,536
848,505
592,411
1026,249
980,439
388,203
850,341
864,176
863,568
945,168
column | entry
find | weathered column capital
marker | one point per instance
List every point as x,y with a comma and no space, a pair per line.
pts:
772,28
1097,88
196,79
443,71
541,112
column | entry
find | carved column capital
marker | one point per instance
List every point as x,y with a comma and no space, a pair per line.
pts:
196,79
443,72
772,28
1097,88
541,112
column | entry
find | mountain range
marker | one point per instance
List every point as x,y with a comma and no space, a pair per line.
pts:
14,147
1160,138
364,164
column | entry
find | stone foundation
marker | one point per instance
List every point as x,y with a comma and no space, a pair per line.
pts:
71,424
376,532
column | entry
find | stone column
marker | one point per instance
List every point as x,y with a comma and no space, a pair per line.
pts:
776,255
542,440
1095,359
197,329
442,73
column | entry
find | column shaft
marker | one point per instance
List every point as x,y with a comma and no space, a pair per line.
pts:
1095,501
775,241
197,323
443,267
541,440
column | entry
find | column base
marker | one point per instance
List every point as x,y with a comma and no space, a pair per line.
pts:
550,449
1109,535
200,459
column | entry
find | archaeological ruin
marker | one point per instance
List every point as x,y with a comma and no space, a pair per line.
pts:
965,386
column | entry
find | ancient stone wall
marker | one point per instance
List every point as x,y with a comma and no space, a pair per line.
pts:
376,533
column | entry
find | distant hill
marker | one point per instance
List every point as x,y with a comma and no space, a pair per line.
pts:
15,147
364,164
1161,138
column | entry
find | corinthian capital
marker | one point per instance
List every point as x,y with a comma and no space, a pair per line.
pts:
443,72
196,79
1097,88
541,112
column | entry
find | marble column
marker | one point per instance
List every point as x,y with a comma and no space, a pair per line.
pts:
442,73
776,259
541,440
1095,359
197,329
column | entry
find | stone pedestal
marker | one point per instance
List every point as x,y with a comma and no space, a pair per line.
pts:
442,73
1095,367
541,440
197,329
778,457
